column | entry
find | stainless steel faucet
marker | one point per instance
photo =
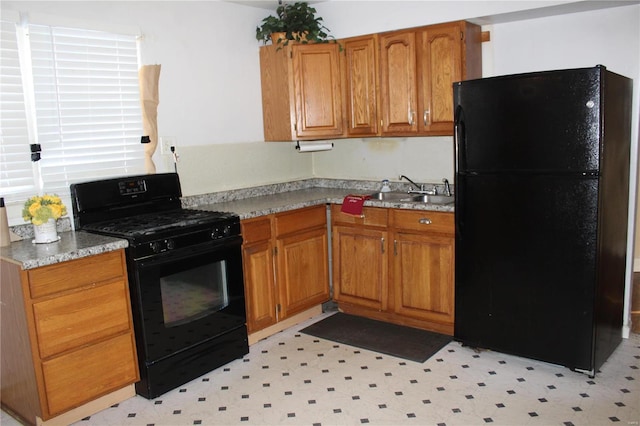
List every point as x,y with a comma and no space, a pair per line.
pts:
419,188
447,188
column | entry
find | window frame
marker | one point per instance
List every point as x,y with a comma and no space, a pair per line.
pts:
122,149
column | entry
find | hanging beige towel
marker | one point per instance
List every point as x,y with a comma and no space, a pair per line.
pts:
148,77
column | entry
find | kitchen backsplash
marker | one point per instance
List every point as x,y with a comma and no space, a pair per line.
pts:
364,186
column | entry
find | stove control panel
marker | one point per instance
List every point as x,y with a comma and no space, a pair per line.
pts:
218,233
132,187
221,232
162,245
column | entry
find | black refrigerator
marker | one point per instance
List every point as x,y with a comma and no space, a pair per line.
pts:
541,184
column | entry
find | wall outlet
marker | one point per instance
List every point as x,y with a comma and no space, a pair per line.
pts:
166,142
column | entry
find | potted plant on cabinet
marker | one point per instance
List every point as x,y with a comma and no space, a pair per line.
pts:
294,22
43,212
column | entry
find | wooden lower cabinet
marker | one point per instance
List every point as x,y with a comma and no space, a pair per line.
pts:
423,268
395,265
286,266
302,270
360,266
67,336
259,278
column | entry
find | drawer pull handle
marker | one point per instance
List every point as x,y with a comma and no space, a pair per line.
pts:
425,221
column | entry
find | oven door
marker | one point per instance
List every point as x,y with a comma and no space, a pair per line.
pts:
186,297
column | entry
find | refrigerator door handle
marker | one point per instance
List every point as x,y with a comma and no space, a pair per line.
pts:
458,146
458,136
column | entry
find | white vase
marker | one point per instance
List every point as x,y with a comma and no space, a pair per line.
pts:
45,233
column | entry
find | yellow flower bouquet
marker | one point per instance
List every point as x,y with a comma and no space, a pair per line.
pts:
39,209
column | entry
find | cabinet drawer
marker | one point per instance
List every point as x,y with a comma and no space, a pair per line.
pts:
258,229
84,375
81,318
76,273
424,221
303,219
371,216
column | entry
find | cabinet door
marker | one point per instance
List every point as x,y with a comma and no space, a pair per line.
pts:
360,66
423,276
318,96
360,271
303,271
89,372
80,318
259,278
398,89
260,293
439,66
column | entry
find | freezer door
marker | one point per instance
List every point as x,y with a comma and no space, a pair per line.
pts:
547,121
525,266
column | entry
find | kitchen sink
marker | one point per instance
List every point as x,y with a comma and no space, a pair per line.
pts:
433,199
389,196
409,198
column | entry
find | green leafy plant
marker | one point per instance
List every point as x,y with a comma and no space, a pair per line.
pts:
299,23
39,209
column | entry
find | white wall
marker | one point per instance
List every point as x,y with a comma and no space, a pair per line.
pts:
610,37
210,100
210,80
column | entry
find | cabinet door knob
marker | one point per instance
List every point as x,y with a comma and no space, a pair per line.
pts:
425,221
411,116
425,116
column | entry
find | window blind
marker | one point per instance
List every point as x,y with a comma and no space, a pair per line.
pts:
16,172
86,115
87,104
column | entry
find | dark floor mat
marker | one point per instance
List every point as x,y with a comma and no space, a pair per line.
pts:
391,339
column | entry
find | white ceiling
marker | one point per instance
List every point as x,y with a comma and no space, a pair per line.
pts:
541,12
570,7
266,4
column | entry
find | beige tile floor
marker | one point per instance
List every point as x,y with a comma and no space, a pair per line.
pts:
295,379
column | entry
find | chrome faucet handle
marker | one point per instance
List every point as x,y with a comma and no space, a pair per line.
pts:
447,188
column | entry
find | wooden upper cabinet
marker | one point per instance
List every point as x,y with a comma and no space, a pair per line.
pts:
398,87
447,53
317,87
301,92
398,83
417,70
360,77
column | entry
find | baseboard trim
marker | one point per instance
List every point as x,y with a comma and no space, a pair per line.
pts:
283,325
89,408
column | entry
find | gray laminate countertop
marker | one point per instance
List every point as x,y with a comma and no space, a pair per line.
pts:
72,245
261,201
261,205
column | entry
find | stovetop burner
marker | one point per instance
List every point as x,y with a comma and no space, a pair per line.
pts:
147,211
154,223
